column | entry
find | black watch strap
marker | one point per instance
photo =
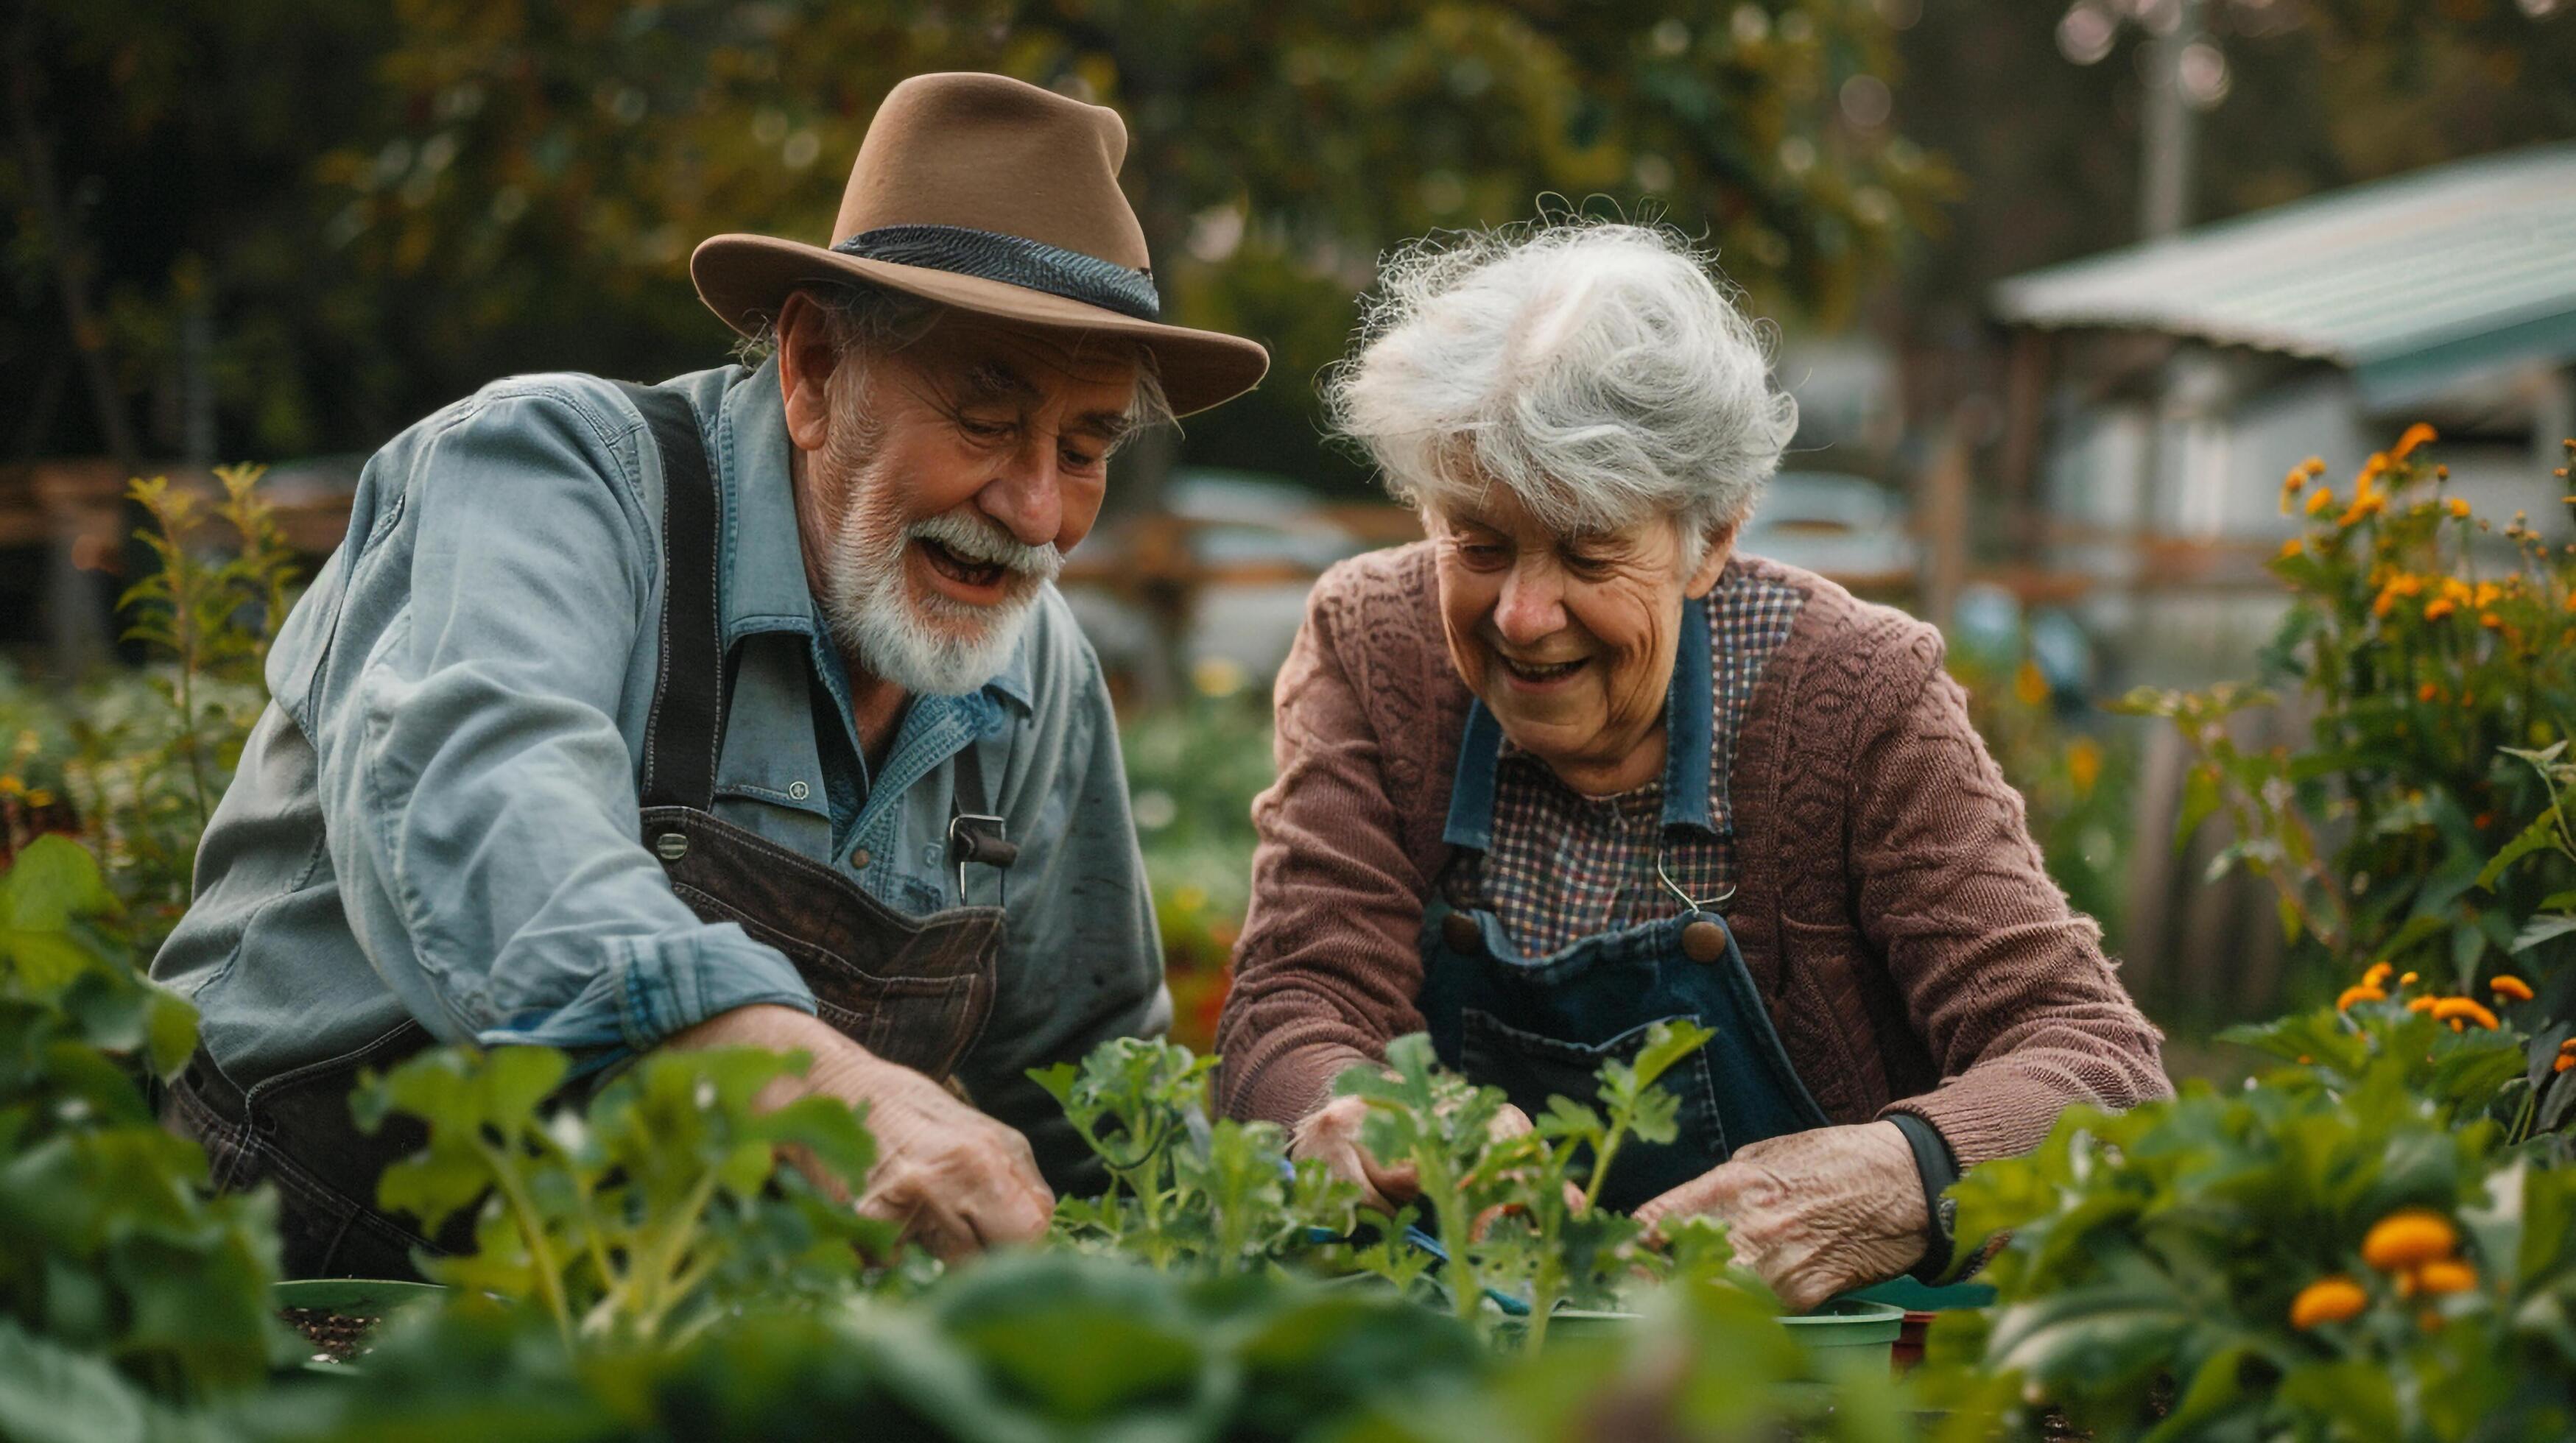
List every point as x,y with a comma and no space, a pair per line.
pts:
1938,1168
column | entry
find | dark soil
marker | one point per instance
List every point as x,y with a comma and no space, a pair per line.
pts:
336,1336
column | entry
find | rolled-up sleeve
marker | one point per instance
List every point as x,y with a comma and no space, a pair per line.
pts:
483,820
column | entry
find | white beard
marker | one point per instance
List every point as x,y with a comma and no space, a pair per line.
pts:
927,644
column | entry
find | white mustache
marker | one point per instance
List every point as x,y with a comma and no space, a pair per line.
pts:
975,541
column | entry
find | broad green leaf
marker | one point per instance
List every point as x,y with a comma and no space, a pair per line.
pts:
2542,833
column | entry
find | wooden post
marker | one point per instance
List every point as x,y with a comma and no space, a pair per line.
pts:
1941,521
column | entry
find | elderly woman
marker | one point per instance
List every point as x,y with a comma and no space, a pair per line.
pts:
1573,766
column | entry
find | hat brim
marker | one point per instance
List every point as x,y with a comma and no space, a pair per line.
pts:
745,278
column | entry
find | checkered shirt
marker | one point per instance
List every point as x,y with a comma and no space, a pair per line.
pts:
1565,866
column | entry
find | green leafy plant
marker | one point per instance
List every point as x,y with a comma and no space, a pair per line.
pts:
644,1215
110,1252
1185,1193
2228,1242
1520,1213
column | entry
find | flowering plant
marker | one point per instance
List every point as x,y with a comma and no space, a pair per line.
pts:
2430,643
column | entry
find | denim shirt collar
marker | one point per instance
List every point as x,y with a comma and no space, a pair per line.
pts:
763,584
1689,728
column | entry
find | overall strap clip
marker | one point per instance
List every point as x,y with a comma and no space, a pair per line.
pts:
975,834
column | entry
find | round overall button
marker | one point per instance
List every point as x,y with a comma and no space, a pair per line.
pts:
1704,941
859,860
1461,933
671,846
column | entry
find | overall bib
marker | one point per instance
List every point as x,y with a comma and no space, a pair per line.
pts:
913,990
1538,1027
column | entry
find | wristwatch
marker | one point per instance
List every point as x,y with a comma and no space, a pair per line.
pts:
1938,1168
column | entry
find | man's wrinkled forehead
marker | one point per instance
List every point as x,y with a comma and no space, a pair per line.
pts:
1013,375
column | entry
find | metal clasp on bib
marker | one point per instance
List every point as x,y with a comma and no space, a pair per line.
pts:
978,837
1703,937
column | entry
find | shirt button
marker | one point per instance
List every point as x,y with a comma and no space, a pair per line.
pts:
859,860
797,791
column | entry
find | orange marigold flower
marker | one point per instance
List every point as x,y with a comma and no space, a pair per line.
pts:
2460,508
2490,621
2408,979
2320,499
2485,594
2508,985
2463,1009
2293,547
2376,974
2416,435
2314,465
2438,607
2409,1238
2428,692
2445,1275
2327,1300
2421,1004
2566,1063
2359,992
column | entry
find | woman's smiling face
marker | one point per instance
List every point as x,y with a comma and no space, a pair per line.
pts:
1569,640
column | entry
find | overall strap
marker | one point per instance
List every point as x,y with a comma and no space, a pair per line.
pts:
685,731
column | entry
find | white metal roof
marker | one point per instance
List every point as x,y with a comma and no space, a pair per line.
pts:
2406,281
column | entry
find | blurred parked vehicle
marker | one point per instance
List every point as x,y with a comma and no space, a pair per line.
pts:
1846,527
1213,585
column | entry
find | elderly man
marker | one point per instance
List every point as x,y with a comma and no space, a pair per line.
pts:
734,710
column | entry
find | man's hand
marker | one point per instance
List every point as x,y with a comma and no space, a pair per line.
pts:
1814,1213
1332,1133
953,1179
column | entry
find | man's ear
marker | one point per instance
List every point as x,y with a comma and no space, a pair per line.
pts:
1721,545
806,360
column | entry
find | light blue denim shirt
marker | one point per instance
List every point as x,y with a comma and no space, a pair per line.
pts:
436,817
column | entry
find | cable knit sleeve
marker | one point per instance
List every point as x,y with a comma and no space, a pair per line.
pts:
1329,963
2004,982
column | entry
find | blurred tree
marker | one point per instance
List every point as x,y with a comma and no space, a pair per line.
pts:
277,226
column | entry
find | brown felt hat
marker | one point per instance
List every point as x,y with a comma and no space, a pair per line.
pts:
996,197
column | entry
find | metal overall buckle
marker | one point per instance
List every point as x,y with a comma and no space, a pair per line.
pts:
978,837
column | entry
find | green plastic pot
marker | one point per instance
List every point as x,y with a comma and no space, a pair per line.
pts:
349,1297
1843,1327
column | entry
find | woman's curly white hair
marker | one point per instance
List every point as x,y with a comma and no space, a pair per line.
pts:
1596,370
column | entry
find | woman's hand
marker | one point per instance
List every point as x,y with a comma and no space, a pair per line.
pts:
1814,1213
1331,1133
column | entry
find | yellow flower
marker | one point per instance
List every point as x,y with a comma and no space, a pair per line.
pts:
2463,1009
2293,546
2486,594
2327,1300
2416,435
2490,621
2445,1275
2508,985
2460,507
2359,992
2438,608
2084,765
2369,503
2290,486
2408,1238
2421,1004
2320,499
2408,980
2030,685
2376,975
2314,466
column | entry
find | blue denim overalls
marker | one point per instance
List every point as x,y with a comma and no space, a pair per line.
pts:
1540,1026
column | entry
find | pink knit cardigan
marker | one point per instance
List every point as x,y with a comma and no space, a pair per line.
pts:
1890,904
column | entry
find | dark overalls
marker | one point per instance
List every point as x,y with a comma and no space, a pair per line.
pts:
913,990
1541,1026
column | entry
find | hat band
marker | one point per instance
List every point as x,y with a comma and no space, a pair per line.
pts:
1012,260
